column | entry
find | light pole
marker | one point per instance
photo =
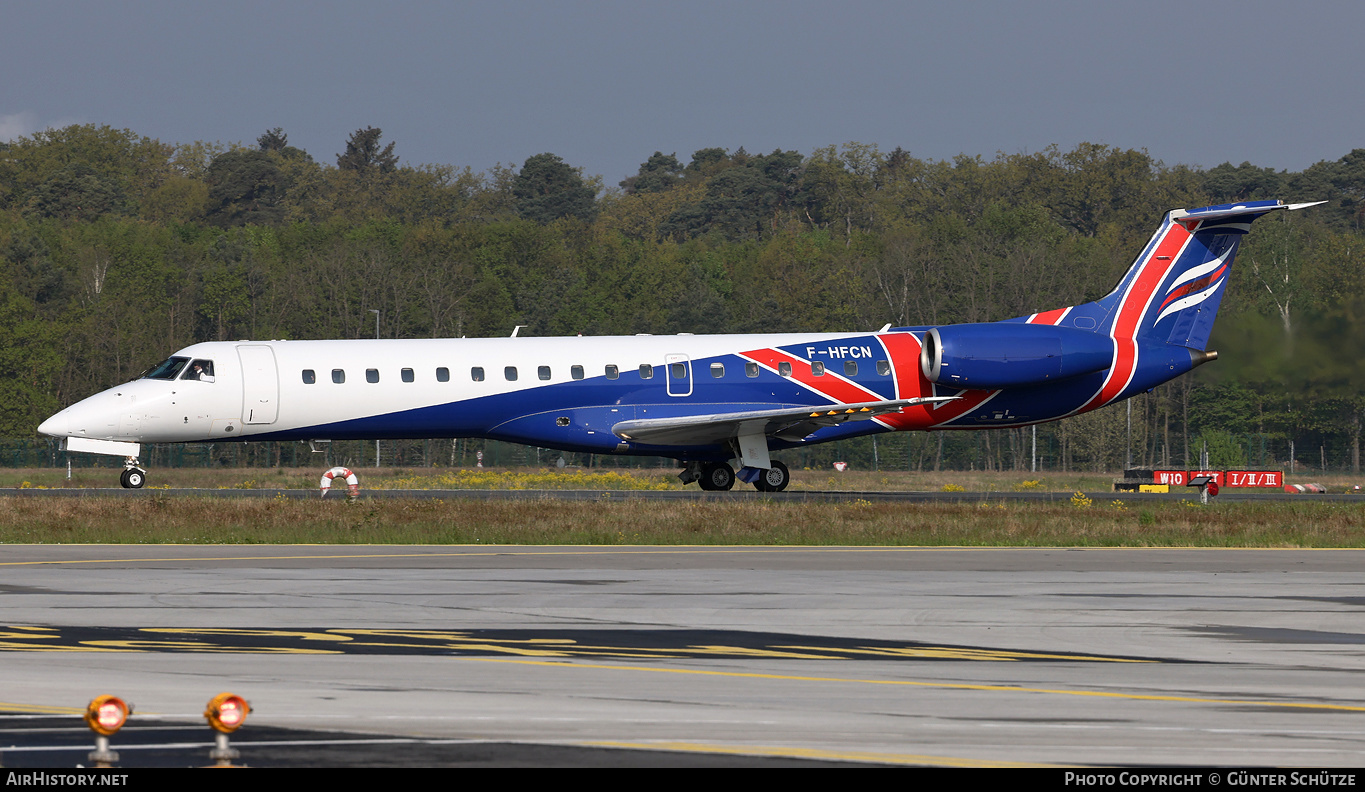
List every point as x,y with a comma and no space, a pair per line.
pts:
375,311
1128,456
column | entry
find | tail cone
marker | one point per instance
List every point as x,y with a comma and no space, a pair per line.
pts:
1199,357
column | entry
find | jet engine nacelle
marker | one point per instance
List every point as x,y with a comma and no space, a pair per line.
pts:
1010,355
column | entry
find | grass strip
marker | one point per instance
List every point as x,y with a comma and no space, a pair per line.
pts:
194,520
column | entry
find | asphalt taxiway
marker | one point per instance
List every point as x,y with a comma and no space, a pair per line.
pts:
948,656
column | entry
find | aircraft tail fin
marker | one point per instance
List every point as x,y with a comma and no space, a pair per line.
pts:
1172,292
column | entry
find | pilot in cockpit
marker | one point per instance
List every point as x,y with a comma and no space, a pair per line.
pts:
201,370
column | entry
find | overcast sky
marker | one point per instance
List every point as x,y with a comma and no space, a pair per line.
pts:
604,84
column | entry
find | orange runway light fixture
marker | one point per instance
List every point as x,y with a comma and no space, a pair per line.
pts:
226,713
105,715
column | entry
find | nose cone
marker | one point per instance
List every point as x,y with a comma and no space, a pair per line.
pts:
56,426
96,416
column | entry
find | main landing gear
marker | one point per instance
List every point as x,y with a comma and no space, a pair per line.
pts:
774,479
719,477
132,477
716,477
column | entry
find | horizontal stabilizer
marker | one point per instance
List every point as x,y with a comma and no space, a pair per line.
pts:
793,423
1222,211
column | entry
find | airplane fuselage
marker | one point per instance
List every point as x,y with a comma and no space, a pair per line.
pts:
563,393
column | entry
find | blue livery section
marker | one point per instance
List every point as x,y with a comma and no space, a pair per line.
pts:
993,356
594,405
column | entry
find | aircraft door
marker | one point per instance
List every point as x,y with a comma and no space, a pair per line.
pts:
260,385
679,374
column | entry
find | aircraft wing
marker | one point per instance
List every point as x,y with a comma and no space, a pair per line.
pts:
794,423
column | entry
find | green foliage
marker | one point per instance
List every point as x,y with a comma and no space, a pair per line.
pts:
659,173
105,165
1224,450
363,154
77,193
245,187
273,140
744,201
708,161
1341,183
29,361
1246,182
547,189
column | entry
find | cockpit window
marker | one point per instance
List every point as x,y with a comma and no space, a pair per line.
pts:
201,370
166,370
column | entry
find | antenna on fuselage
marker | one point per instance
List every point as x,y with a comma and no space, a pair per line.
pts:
516,330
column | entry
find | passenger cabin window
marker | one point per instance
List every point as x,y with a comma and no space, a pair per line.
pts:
677,370
371,375
443,374
751,370
543,372
338,376
884,367
850,368
476,373
646,371
718,370
201,370
167,369
784,369
510,373
576,372
309,377
407,375
613,372
817,368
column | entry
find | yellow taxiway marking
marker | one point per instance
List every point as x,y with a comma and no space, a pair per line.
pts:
531,647
38,709
953,653
818,753
938,685
571,550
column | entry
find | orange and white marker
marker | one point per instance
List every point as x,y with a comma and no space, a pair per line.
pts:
352,482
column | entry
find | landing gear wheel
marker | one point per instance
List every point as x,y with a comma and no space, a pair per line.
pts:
132,478
774,479
717,477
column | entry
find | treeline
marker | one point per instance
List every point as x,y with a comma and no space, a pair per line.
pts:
117,249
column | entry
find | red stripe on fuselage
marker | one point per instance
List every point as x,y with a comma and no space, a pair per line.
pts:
904,350
1134,306
829,385
1048,317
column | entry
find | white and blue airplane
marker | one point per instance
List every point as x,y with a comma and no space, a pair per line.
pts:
716,403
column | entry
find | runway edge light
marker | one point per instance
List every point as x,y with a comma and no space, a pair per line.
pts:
105,715
226,712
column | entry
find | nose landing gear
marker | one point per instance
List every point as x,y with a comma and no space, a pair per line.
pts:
132,477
